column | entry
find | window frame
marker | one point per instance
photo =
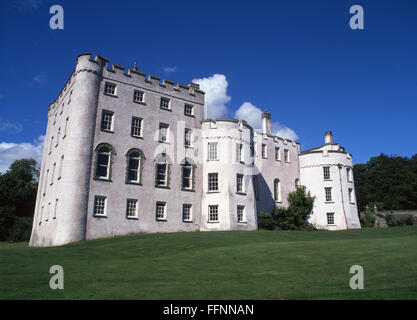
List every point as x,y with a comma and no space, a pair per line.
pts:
328,194
168,104
136,215
212,182
137,93
104,206
164,205
191,114
209,217
241,217
133,128
330,219
190,213
326,173
104,113
110,84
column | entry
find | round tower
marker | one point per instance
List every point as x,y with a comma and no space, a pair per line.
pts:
228,201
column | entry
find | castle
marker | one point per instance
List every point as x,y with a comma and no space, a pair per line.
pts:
128,153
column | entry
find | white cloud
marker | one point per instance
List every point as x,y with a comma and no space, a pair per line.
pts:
10,152
216,97
169,69
40,78
252,115
6,125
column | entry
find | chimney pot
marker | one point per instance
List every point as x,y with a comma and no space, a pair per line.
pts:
328,137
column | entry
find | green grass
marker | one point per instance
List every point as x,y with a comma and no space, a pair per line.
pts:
219,265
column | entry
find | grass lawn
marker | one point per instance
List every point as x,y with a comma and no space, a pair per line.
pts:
219,265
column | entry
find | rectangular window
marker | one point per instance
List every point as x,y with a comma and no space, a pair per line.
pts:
110,88
330,218
100,205
240,213
277,154
187,137
165,103
57,137
263,150
328,192
163,132
326,173
160,211
45,182
286,155
61,165
132,208
162,174
55,209
138,96
213,214
239,183
188,109
349,174
212,151
187,177
186,212
66,127
107,120
213,182
48,212
50,147
40,216
351,198
239,152
136,130
53,173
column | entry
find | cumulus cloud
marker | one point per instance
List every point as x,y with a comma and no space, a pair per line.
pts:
216,97
252,115
169,69
10,152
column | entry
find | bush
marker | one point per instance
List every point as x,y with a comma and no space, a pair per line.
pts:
266,221
393,221
368,220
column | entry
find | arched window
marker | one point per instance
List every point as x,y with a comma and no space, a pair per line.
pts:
134,165
187,174
277,190
162,170
104,153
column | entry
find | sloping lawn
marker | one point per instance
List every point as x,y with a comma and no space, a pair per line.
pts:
219,265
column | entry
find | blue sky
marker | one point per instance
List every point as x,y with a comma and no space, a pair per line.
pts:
297,59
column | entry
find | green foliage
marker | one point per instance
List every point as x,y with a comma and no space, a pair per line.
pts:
368,220
292,218
18,187
388,181
393,221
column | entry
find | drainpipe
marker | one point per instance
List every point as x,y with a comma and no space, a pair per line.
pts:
341,193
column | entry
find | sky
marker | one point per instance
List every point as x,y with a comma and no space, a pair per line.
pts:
299,60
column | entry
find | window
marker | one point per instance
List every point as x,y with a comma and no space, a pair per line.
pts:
103,161
263,150
330,218
66,127
40,216
239,152
286,155
45,182
277,190
53,173
138,96
163,132
239,183
297,183
48,212
160,211
187,137
100,205
212,151
110,88
162,174
134,164
328,193
55,209
165,103
351,198
188,109
213,214
326,173
57,137
61,165
277,154
240,213
213,182
349,174
187,176
50,147
136,129
107,120
186,212
131,208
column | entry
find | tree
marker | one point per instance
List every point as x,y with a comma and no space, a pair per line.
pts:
18,188
295,217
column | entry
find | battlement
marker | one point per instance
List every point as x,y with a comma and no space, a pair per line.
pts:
135,75
276,138
225,123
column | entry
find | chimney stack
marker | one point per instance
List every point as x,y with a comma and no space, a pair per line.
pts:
266,123
328,137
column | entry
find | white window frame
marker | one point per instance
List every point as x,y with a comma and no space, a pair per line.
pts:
240,178
287,156
136,126
138,96
131,207
213,213
213,184
188,137
328,194
102,205
110,89
330,218
241,216
188,106
264,151
107,117
187,207
165,103
158,216
326,173
212,154
277,153
163,132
